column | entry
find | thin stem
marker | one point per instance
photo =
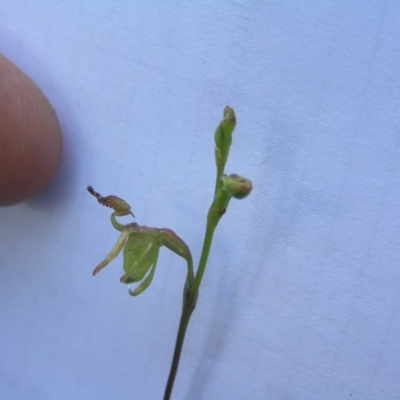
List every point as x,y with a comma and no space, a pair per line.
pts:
204,257
190,273
189,306
185,317
215,213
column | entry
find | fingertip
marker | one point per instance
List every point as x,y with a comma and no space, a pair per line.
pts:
30,138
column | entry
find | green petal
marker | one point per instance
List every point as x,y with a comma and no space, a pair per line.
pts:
140,252
173,242
115,251
146,283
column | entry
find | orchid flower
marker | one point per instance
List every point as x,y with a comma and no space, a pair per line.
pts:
141,247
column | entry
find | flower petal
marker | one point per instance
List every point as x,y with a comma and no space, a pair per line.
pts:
146,283
115,251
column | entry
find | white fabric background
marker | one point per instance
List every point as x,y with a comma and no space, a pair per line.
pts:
302,292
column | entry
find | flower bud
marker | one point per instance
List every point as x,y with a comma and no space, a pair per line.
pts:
226,127
237,186
223,136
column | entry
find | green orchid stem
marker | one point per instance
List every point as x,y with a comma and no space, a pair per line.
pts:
185,317
215,213
189,306
203,260
223,140
217,210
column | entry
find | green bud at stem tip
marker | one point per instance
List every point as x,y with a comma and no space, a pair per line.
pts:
223,138
237,186
229,114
